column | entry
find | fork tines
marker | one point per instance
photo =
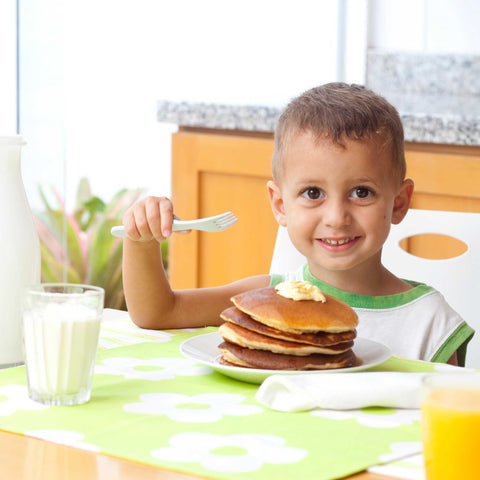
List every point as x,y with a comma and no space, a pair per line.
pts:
225,220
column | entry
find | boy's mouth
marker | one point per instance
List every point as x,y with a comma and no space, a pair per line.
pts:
337,241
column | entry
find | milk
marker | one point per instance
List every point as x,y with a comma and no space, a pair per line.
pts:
60,343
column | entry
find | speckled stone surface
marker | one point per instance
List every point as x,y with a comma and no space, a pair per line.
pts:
229,117
437,96
438,118
429,74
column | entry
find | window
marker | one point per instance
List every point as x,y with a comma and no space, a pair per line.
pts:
91,74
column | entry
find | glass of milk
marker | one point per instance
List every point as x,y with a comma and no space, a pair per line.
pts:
61,325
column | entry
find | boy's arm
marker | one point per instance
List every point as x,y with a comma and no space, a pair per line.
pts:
152,303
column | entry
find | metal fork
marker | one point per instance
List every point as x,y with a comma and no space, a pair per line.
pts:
217,223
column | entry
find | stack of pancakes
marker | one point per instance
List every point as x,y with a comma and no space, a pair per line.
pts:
266,330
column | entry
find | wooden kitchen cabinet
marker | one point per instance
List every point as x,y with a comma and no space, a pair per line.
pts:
213,173
446,178
217,171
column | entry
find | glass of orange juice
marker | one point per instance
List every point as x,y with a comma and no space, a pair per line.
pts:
451,426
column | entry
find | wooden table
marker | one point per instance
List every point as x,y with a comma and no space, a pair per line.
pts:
28,458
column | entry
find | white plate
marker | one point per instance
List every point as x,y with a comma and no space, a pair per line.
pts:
204,349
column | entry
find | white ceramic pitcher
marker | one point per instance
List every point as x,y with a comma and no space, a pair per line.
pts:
19,249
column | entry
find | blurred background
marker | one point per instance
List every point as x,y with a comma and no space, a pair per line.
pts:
81,80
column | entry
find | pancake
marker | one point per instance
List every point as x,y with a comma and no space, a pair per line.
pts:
228,364
253,340
320,339
246,357
266,306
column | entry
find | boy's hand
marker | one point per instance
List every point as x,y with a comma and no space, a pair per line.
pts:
149,219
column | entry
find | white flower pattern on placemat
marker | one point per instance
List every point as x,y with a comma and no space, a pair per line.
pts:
404,462
229,453
125,332
153,369
203,408
400,450
403,469
371,417
15,397
64,437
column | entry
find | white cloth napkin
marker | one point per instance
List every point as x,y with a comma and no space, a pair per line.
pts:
341,391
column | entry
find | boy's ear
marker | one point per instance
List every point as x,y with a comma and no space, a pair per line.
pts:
276,202
402,201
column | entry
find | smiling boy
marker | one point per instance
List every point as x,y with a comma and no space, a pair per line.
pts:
338,184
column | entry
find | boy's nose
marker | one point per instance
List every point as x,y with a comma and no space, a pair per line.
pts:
336,215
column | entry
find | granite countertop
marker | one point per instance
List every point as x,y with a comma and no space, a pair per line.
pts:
211,115
426,118
437,96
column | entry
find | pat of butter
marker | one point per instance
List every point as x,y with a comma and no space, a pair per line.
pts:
297,290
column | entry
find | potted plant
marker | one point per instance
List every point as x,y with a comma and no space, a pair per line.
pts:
77,247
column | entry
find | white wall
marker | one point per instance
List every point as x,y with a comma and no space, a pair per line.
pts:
41,95
8,62
118,57
136,53
425,26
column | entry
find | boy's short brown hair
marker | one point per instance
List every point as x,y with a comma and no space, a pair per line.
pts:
337,109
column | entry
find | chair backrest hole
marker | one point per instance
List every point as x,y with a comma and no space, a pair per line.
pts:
434,246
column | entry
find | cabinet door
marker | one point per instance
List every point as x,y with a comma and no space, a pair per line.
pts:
211,174
446,178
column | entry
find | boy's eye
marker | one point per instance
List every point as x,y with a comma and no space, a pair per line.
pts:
361,192
312,193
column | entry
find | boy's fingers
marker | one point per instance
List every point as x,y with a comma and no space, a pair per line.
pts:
130,226
166,214
150,218
154,220
141,221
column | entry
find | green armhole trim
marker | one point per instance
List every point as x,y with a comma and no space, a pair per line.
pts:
275,279
456,342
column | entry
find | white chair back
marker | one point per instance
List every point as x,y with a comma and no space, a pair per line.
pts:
286,258
457,278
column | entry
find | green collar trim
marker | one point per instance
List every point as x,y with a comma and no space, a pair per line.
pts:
365,301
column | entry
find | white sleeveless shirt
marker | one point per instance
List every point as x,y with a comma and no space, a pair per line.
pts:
417,324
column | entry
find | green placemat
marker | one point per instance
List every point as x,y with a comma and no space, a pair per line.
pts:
152,405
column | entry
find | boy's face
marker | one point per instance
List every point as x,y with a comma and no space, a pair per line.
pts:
338,203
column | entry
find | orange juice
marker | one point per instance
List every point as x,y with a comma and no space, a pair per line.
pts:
451,433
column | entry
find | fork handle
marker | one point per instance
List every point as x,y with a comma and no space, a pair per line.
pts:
119,231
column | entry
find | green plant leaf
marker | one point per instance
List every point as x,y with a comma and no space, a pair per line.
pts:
78,247
114,287
54,271
164,251
99,248
55,220
87,214
50,198
111,274
49,241
121,201
76,254
84,193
